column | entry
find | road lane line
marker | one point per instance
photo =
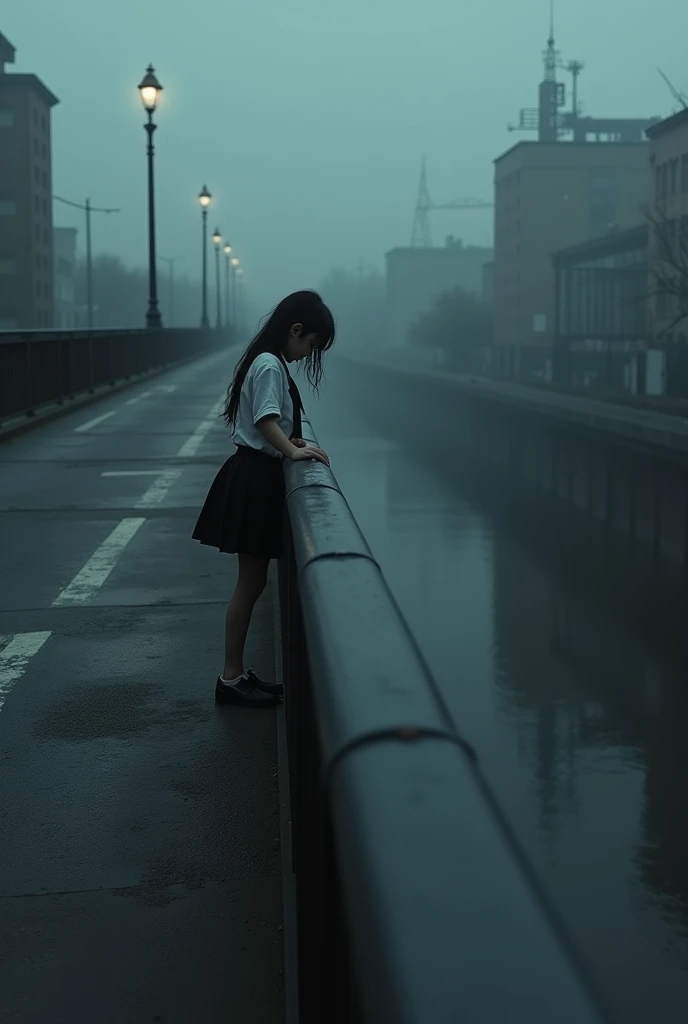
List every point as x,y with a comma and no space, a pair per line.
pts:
15,657
133,401
169,388
131,472
93,423
99,566
191,446
159,488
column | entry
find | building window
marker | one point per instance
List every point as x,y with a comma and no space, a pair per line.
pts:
37,233
674,176
36,204
45,207
8,207
601,200
684,172
44,151
45,180
35,116
35,146
45,123
6,118
45,235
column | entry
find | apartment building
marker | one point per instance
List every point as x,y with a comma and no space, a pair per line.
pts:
26,234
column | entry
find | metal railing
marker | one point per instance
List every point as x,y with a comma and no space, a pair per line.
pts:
38,367
413,903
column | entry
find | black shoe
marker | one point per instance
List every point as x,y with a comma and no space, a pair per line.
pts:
275,689
244,692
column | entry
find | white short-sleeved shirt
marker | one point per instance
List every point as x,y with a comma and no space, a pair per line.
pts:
265,392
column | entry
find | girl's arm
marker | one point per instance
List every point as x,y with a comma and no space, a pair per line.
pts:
270,429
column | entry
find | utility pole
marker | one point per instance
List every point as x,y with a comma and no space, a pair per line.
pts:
170,261
88,209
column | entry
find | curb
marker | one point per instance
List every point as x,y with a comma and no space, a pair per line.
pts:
19,425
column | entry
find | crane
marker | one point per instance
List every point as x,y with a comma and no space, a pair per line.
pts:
420,236
680,97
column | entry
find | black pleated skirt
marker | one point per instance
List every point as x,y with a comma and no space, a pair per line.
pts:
244,510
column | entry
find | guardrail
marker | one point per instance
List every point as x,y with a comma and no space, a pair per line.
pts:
38,368
413,903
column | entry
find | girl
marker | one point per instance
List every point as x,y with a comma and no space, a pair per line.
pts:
244,509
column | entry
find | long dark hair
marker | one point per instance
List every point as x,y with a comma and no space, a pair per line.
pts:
305,308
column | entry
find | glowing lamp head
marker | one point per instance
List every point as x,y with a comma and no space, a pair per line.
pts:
150,89
228,249
235,262
217,237
204,197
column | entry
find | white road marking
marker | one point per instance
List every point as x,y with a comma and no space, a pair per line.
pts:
191,446
100,564
93,423
169,388
131,472
15,657
159,488
133,401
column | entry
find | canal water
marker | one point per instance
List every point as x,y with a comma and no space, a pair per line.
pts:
579,718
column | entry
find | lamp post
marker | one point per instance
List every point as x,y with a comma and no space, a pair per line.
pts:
217,241
204,198
240,299
228,253
150,90
235,263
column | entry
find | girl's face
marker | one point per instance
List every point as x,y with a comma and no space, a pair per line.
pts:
299,345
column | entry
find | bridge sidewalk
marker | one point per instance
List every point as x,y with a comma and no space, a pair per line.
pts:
139,823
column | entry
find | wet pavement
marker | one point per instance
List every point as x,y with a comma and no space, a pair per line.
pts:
578,716
139,850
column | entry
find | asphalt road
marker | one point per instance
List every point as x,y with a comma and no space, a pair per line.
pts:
139,853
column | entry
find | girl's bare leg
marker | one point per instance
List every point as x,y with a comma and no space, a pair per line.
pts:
253,574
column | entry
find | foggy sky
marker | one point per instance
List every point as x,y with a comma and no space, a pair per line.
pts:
308,118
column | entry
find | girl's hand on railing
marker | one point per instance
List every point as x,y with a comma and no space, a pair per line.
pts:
309,452
298,441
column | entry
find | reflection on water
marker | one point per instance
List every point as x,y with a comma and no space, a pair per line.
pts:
579,721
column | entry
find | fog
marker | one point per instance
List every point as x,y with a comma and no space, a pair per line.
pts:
308,120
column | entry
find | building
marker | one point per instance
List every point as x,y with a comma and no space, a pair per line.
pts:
669,241
548,196
26,234
601,312
64,263
582,178
416,276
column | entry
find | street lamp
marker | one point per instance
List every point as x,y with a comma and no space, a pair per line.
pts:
228,253
217,241
150,90
235,263
204,198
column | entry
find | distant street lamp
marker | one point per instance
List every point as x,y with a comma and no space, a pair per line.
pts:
204,198
150,90
217,241
235,263
228,253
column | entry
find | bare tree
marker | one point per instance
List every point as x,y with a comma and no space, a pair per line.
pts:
668,253
459,324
